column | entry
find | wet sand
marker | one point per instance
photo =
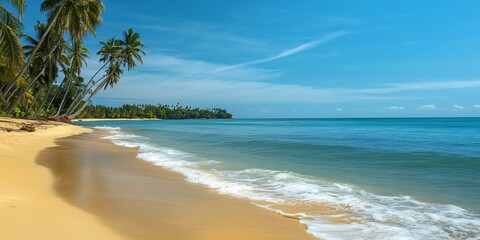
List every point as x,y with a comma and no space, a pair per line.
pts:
29,208
143,201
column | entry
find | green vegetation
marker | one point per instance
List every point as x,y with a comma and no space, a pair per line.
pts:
44,76
153,111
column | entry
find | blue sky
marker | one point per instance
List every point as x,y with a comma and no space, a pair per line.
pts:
299,58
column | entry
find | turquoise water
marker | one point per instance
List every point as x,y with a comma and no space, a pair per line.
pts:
400,178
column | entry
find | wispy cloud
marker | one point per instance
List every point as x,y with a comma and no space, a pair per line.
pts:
178,78
181,68
427,107
211,32
289,52
476,106
458,106
396,108
166,89
398,87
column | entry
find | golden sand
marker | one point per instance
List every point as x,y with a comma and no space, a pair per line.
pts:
29,208
81,187
144,201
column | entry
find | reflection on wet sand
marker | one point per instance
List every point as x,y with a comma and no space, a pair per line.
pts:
143,201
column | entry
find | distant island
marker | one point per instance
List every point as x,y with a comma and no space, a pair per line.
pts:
149,111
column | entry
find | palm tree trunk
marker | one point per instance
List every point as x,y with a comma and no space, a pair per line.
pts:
64,97
10,109
74,104
33,103
79,98
4,84
40,72
43,101
32,55
16,89
54,96
100,86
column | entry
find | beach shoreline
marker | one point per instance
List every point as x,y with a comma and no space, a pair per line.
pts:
29,208
114,119
34,173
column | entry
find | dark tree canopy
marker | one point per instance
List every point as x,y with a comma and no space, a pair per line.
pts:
131,111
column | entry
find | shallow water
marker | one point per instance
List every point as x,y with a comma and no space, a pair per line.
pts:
370,178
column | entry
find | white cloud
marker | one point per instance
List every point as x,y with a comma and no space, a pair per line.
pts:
326,38
396,108
458,106
203,31
182,68
476,106
398,87
427,107
339,109
178,78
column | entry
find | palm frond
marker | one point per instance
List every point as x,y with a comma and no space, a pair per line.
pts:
10,45
20,5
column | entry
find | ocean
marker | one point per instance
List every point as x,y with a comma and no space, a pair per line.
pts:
399,178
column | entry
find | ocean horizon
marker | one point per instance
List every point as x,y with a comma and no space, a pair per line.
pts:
343,178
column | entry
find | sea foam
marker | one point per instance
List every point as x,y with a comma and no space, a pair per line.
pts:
107,128
372,216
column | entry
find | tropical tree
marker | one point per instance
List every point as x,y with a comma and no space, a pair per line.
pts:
11,56
77,55
109,53
49,67
132,48
131,52
75,17
45,64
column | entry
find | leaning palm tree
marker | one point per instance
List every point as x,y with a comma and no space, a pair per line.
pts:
109,53
78,55
52,65
131,52
77,17
55,61
11,56
47,58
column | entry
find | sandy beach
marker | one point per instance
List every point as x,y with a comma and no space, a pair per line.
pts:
29,207
57,184
114,119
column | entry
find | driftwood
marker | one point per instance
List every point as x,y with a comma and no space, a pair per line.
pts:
28,128
40,123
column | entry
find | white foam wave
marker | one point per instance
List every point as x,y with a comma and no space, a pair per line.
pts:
376,217
107,128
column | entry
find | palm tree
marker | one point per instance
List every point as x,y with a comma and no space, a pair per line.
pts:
10,46
47,58
109,52
58,60
131,51
77,54
132,48
77,17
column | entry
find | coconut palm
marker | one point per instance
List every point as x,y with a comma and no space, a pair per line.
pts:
132,48
77,17
109,53
78,55
11,56
131,52
46,61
